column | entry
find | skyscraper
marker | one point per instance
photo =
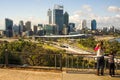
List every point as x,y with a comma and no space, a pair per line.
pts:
35,28
66,21
21,27
93,24
15,30
8,25
84,24
58,17
49,16
66,18
28,25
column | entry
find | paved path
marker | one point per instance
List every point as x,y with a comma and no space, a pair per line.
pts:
7,74
79,76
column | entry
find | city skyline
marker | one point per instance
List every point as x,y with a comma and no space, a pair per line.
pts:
105,12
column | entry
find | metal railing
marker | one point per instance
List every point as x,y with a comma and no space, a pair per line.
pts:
69,61
34,61
86,62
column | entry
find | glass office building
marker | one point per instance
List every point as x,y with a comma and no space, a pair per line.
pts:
50,29
58,18
9,26
93,24
66,18
28,26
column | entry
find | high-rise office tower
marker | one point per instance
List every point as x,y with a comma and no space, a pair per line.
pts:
83,24
93,24
49,16
21,23
66,18
8,29
66,21
15,30
112,29
35,28
21,27
28,26
58,17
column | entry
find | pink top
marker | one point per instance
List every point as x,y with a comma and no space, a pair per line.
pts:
98,50
97,47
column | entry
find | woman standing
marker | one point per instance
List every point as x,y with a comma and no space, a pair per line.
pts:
100,58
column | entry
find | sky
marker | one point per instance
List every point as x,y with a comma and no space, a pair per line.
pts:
105,12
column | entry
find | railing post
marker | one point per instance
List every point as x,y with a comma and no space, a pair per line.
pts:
72,61
66,61
61,62
77,61
6,58
88,63
55,62
83,64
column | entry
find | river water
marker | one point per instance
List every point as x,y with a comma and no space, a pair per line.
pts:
117,39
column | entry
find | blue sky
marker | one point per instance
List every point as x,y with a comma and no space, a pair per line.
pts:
106,12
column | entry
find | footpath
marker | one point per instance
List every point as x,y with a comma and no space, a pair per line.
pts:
12,74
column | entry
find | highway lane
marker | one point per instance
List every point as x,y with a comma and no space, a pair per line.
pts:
71,49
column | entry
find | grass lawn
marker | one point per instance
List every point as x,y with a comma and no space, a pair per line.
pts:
83,48
50,47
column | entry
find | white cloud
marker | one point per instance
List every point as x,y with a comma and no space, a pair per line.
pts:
102,21
87,7
75,18
79,12
114,9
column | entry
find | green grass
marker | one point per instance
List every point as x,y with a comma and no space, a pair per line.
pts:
50,47
83,48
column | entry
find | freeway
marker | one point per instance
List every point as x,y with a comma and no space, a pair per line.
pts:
70,48
79,51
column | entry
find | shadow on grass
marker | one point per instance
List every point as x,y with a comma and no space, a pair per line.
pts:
89,72
80,72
